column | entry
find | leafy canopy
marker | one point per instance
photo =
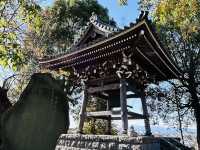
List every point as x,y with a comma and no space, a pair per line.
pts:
180,15
17,16
178,24
63,22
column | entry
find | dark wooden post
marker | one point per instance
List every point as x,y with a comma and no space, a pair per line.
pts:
83,110
109,118
123,103
146,115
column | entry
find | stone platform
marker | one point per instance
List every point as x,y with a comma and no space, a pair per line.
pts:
108,142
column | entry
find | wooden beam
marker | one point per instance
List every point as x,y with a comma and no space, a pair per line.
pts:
105,80
116,112
108,87
99,113
129,117
101,96
112,113
136,115
132,96
115,117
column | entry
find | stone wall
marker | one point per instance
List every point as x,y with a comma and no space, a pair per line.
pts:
106,142
39,117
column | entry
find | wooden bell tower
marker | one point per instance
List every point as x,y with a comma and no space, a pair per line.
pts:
114,89
110,62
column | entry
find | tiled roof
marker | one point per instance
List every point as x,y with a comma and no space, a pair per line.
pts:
95,22
108,29
140,37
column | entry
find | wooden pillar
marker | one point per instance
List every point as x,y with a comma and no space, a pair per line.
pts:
109,118
123,103
145,113
83,110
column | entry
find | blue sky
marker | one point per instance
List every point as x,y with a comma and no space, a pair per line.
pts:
123,15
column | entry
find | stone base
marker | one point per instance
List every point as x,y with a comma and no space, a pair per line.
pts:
108,142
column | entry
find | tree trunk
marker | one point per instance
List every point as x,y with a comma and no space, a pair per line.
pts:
197,116
194,97
196,107
180,124
179,116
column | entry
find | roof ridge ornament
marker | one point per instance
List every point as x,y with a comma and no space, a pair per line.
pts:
94,17
143,16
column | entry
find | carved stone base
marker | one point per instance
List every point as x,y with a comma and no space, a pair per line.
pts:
108,142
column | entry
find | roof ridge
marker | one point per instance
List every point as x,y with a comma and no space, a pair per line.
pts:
95,18
95,21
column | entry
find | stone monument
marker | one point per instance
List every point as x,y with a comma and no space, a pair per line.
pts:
38,118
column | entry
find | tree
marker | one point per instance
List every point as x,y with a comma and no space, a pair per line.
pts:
164,103
16,17
63,22
58,26
178,23
121,2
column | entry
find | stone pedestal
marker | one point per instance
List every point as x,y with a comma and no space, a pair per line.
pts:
108,142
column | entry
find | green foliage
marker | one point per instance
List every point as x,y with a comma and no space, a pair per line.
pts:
178,24
72,2
16,18
184,18
123,2
63,21
97,126
44,32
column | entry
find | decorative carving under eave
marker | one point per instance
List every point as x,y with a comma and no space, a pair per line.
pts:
106,68
130,70
123,67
